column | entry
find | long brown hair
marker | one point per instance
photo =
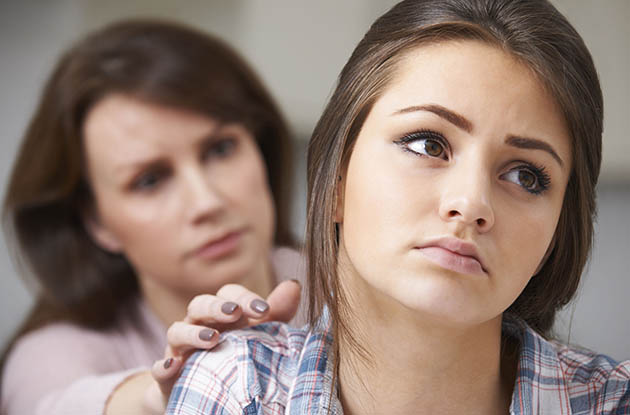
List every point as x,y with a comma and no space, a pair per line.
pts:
535,33
159,62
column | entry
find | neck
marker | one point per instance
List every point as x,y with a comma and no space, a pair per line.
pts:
170,304
417,367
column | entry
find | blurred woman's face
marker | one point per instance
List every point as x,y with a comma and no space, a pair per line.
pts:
184,197
454,187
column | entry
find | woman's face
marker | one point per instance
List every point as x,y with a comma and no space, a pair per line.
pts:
454,187
184,197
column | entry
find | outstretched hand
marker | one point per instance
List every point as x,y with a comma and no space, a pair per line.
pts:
233,307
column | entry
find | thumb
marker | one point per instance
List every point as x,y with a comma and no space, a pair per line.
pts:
284,301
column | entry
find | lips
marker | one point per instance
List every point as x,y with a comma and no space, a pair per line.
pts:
219,247
455,255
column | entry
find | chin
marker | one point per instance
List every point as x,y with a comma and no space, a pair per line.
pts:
445,302
211,277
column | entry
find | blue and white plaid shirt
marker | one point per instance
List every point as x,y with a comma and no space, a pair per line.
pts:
276,369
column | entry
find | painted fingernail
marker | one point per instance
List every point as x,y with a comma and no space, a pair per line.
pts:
229,308
206,334
297,282
259,306
168,362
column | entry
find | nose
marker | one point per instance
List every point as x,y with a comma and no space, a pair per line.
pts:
466,198
202,199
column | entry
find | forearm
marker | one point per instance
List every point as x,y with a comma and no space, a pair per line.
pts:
128,397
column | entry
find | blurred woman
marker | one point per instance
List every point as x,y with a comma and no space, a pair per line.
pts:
155,169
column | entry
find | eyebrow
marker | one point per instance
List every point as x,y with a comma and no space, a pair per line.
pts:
533,144
448,115
136,165
464,124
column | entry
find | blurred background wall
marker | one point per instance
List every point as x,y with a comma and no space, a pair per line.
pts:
298,47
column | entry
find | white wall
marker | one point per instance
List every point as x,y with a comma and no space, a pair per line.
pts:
600,317
604,26
298,47
31,36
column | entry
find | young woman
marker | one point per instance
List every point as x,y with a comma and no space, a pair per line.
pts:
451,197
154,170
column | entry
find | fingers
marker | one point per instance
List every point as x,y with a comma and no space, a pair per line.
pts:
251,304
233,307
284,301
182,337
165,374
212,310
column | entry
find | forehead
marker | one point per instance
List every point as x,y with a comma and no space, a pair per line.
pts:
452,64
123,122
485,84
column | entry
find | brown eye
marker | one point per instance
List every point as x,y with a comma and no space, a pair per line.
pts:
428,147
433,148
425,143
532,179
527,179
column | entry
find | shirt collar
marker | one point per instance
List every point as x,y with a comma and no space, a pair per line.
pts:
540,385
313,391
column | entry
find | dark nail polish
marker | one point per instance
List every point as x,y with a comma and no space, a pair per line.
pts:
168,362
206,334
259,306
229,308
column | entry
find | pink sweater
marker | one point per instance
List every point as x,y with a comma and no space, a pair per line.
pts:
66,369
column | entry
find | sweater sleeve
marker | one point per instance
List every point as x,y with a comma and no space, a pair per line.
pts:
289,264
60,370
87,395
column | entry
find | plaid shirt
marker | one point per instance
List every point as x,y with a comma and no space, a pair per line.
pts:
275,369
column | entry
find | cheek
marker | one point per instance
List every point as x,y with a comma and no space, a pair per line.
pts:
366,210
247,187
137,221
385,206
255,181
525,238
137,224
385,202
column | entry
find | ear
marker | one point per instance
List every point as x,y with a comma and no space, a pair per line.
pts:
101,234
552,245
339,200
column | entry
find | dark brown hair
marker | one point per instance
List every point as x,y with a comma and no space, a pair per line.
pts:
159,62
535,33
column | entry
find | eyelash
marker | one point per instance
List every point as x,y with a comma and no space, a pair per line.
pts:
542,178
140,184
406,140
217,148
